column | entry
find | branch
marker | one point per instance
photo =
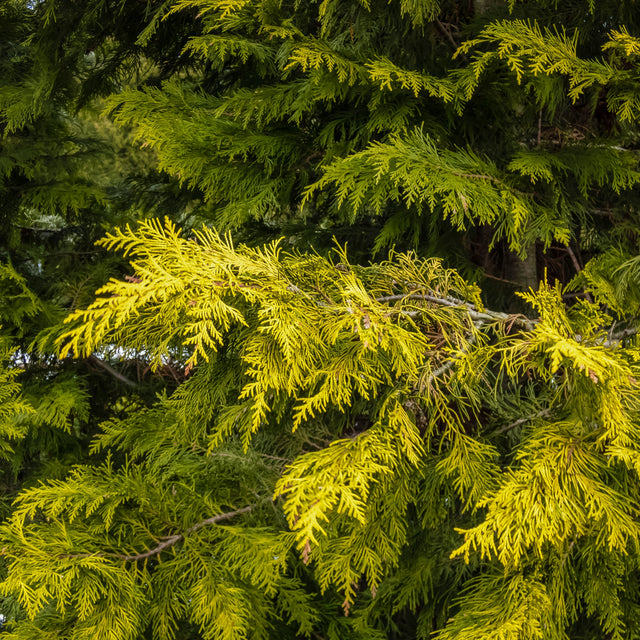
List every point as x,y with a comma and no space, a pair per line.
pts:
577,267
151,552
540,127
109,369
220,518
447,33
480,317
442,370
615,338
226,454
474,313
171,540
449,363
545,413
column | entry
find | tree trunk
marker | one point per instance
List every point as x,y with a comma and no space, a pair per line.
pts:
524,272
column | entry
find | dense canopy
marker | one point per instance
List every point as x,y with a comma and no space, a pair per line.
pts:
319,319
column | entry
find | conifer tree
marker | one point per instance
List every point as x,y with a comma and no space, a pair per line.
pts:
345,448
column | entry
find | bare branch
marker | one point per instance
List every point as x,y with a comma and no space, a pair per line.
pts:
615,337
449,363
221,517
447,33
168,542
540,127
574,261
450,301
111,371
171,540
578,268
235,456
545,413
442,370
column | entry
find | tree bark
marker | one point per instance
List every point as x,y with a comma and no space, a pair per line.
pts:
524,272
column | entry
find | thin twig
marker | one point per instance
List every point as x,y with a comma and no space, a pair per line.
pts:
277,458
540,127
442,370
480,176
568,552
231,284
615,338
449,363
512,425
168,542
507,281
449,36
574,259
578,268
110,370
235,456
221,517
171,540
324,295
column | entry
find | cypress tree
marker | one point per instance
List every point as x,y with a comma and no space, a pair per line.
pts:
433,430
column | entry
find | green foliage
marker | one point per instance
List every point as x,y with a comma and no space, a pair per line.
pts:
529,50
16,299
465,188
12,404
268,436
499,608
612,279
313,338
